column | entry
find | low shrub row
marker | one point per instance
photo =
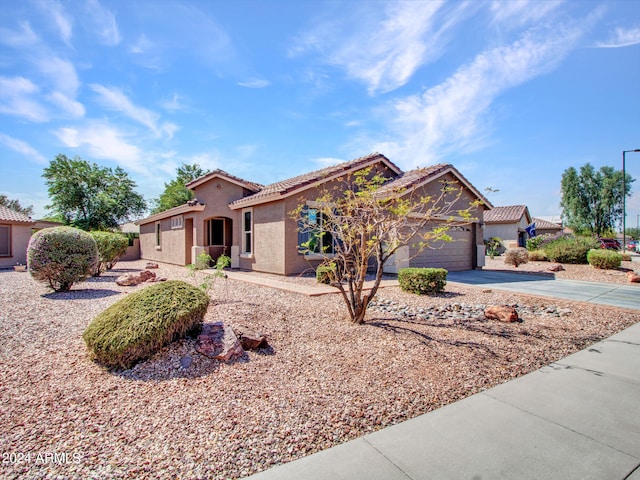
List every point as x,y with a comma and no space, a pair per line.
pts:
604,259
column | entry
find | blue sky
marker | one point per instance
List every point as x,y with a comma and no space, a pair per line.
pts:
510,92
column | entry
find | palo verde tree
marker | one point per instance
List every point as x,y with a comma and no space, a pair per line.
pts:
362,220
175,192
89,196
592,200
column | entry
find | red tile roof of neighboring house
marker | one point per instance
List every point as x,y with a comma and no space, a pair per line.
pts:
509,214
8,215
542,224
286,187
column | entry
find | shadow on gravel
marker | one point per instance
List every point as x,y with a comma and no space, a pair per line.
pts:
84,294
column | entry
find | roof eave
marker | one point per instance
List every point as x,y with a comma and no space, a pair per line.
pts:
172,212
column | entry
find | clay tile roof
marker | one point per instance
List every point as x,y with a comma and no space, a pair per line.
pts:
221,173
8,215
542,224
281,188
509,214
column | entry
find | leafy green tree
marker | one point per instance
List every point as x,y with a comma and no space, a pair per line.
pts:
175,192
89,196
15,205
360,222
592,200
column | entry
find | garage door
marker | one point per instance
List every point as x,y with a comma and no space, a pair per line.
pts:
454,256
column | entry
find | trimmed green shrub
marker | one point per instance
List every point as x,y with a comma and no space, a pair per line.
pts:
61,256
604,259
571,250
111,246
137,326
537,256
326,274
422,281
516,256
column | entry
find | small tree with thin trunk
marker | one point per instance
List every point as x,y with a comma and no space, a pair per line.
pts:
361,221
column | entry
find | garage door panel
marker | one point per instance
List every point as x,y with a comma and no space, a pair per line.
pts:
453,256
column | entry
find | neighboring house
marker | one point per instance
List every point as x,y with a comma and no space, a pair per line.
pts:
508,224
15,232
253,223
545,226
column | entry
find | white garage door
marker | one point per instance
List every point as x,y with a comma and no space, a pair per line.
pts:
453,256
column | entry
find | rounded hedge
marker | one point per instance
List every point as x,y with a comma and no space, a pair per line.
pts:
111,246
137,326
422,281
604,259
61,256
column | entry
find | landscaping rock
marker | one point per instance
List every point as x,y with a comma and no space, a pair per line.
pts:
633,277
250,339
502,313
555,267
151,265
218,341
135,278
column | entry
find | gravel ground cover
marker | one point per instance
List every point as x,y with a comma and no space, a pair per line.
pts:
321,382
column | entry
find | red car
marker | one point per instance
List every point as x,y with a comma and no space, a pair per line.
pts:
610,243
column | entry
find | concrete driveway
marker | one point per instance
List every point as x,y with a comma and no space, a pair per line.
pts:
624,296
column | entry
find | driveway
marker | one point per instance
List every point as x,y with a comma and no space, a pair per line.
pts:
624,296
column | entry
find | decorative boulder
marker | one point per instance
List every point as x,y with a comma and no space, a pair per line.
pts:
502,313
633,277
250,339
135,278
151,265
555,267
218,341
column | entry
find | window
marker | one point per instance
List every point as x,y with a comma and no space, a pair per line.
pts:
176,222
247,231
5,240
312,236
158,235
215,232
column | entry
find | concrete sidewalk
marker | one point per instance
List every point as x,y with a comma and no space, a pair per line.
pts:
578,418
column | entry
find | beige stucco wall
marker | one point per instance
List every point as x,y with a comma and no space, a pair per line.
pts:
268,235
172,244
20,235
507,232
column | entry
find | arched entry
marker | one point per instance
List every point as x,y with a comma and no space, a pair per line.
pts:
218,236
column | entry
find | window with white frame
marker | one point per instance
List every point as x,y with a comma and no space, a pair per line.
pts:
177,222
247,232
5,240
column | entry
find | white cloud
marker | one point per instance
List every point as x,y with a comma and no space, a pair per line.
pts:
23,38
72,108
453,115
327,161
115,99
103,141
102,22
60,73
17,99
174,104
23,148
622,37
384,47
516,13
255,83
62,20
142,45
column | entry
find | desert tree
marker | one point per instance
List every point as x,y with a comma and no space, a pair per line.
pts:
175,192
592,200
89,196
361,220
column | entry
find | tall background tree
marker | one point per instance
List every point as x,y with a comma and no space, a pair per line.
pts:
15,205
89,196
175,193
592,200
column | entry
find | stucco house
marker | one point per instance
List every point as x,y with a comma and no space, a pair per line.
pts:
252,223
544,226
508,224
15,232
